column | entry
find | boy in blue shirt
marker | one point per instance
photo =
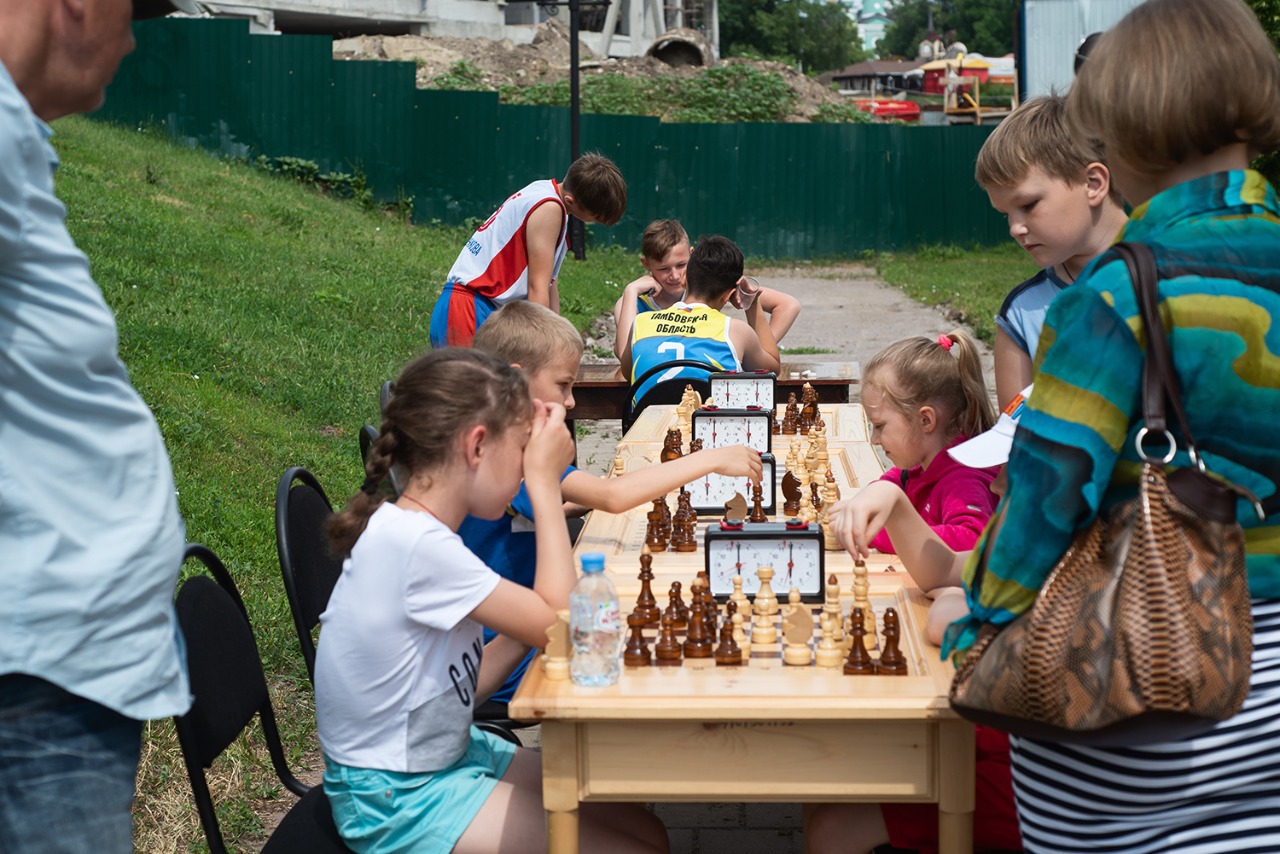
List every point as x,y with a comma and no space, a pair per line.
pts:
1056,191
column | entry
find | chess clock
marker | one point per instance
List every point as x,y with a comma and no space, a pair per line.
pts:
720,428
793,549
709,493
741,389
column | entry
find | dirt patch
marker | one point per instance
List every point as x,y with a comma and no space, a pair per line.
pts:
546,60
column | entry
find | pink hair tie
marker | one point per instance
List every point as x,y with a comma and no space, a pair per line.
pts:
945,342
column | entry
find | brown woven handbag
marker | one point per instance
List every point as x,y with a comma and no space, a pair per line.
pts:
1143,631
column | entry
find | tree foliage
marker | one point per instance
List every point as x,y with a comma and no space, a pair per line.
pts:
814,34
1268,12
985,26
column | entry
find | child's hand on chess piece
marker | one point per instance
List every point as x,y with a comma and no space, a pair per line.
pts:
737,461
882,504
856,520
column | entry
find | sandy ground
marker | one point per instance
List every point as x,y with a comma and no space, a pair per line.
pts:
847,311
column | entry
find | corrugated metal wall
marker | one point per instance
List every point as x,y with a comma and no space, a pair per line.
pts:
779,190
1052,29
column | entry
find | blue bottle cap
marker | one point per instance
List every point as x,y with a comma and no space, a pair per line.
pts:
593,562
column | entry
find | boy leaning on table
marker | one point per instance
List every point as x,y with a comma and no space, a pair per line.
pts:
547,349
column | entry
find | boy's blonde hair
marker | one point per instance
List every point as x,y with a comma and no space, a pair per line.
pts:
528,334
660,237
1037,134
916,372
1176,79
597,185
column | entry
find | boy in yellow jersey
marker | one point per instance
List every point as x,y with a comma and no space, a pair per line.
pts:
664,254
696,327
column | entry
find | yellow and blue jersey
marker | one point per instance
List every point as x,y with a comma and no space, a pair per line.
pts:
684,331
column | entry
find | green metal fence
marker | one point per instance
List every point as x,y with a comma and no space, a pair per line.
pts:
779,190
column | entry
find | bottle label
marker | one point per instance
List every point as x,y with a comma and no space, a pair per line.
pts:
608,617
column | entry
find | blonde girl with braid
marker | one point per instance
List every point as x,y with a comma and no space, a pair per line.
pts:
401,666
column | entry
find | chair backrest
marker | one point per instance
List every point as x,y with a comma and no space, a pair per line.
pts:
227,683
308,568
665,391
384,395
394,484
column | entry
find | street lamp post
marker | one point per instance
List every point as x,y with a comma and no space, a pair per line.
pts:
577,234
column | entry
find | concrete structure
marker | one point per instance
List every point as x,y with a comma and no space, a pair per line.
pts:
623,28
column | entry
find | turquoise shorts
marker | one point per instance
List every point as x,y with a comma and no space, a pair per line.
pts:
381,812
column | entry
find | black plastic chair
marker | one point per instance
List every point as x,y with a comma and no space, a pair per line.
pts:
308,568
665,391
393,485
310,572
384,395
229,687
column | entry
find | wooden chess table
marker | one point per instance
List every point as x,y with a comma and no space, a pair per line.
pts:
764,731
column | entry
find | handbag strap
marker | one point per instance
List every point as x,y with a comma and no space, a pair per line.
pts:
1159,380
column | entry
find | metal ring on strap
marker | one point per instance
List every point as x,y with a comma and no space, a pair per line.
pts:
1167,458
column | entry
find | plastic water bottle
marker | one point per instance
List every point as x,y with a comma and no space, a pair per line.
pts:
595,625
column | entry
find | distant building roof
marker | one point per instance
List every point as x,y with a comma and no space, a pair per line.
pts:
876,67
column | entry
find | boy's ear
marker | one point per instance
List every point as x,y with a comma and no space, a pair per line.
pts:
1097,181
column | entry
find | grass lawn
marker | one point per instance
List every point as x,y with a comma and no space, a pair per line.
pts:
258,319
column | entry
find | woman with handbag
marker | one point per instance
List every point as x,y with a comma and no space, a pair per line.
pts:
1182,94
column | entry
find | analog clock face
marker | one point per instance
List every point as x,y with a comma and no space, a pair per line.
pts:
710,492
796,560
738,391
725,427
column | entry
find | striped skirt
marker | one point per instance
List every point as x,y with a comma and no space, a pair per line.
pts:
1217,792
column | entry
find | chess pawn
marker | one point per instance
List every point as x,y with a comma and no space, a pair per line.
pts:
728,653
637,652
683,538
859,662
662,505
830,541
675,607
828,653
797,629
555,656
619,467
667,651
695,445
832,487
815,496
892,662
740,637
791,416
737,598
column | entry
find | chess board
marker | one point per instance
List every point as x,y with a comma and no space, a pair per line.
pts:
845,423
769,656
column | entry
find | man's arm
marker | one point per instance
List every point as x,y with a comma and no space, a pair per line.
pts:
782,308
541,237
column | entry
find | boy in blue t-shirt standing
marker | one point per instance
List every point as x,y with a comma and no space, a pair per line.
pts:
1056,192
